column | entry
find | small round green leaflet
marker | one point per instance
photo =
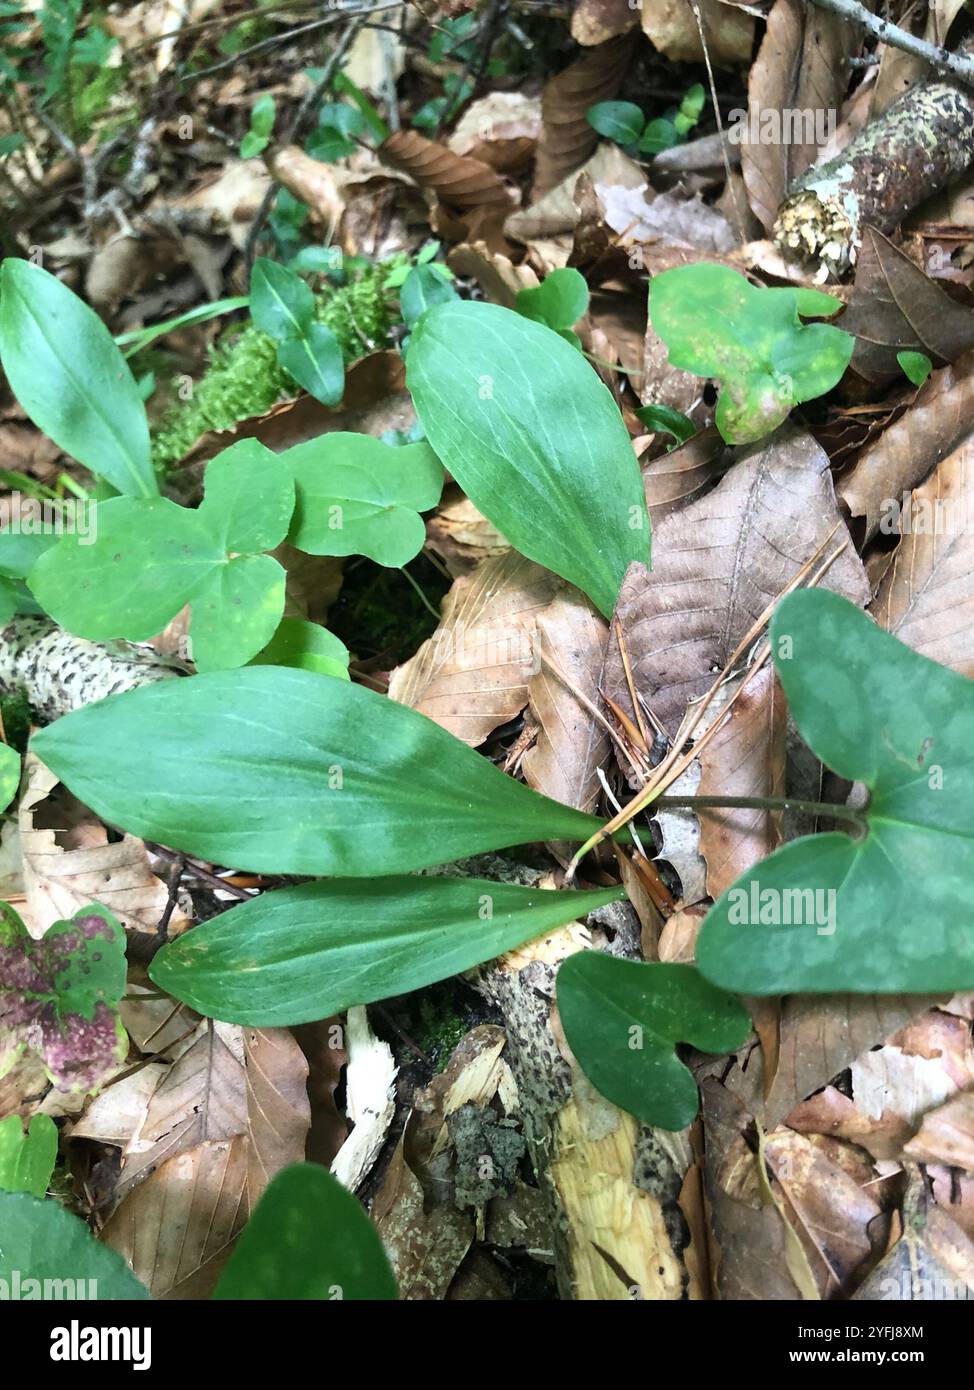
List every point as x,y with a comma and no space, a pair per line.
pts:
308,952
751,340
71,379
621,121
889,912
916,365
46,1253
278,770
623,1019
559,301
27,1157
308,1238
535,440
307,647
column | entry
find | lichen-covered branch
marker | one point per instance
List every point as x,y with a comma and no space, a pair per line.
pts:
59,672
920,145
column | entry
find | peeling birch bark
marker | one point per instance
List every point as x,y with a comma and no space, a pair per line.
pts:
920,145
59,672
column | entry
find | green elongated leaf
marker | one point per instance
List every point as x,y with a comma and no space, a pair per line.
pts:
623,1019
27,1157
750,339
621,121
281,304
47,1253
664,418
889,912
9,774
307,647
559,301
71,379
309,952
359,496
308,1238
146,559
273,769
315,361
423,287
59,996
249,498
534,439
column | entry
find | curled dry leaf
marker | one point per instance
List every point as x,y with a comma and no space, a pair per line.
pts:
323,1044
718,563
472,674
557,210
933,1261
69,862
597,21
800,70
498,277
946,1135
457,180
672,27
567,138
926,597
501,130
939,419
177,1229
572,744
896,306
462,535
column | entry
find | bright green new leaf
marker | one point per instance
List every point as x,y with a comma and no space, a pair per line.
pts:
664,419
534,439
47,1253
27,1157
623,1019
307,647
147,559
278,770
752,340
889,911
316,363
621,121
916,365
309,952
9,774
281,304
358,496
559,301
262,118
71,379
308,1238
422,287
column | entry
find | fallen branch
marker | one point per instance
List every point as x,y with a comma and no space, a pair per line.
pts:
959,65
59,673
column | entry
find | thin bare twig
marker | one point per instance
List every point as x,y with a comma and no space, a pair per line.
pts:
957,65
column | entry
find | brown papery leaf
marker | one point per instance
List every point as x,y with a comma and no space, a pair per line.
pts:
672,27
278,1110
939,419
200,1097
746,757
675,479
800,69
572,744
718,563
457,180
567,139
472,674
461,534
926,597
177,1229
933,1261
596,21
69,862
323,1044
896,306
501,129
946,1135
557,210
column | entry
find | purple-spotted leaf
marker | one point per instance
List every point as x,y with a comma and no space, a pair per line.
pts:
59,996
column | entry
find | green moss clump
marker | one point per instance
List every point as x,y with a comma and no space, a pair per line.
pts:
243,378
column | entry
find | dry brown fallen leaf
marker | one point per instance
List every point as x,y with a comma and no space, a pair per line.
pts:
596,21
800,68
278,1109
933,1261
672,27
501,130
69,862
498,277
472,674
567,138
459,181
323,1044
718,563
557,211
896,306
177,1229
462,535
946,1134
939,419
572,744
926,597
674,479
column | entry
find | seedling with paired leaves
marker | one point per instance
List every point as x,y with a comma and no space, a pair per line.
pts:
624,122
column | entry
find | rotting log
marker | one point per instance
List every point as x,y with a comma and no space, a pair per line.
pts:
921,144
